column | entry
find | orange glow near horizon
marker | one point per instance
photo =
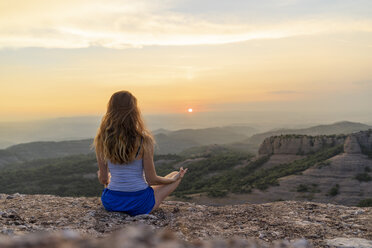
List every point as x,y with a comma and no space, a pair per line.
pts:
58,59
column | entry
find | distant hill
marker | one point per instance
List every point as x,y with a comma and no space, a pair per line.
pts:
167,142
43,149
58,129
160,130
179,140
242,138
345,127
6,143
85,127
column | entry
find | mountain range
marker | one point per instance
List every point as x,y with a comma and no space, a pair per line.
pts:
242,138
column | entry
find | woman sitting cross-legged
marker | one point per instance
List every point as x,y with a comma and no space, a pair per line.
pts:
125,150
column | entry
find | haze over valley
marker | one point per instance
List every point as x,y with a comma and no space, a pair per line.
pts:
216,157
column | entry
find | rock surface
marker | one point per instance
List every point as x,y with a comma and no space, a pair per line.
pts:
299,223
354,143
134,236
298,144
349,243
351,145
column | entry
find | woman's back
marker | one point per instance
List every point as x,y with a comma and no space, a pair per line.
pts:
127,177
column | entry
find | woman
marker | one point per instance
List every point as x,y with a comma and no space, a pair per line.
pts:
124,150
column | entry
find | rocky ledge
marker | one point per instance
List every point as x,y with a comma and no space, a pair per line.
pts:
82,222
295,144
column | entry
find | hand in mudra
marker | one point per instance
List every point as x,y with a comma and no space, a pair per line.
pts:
180,174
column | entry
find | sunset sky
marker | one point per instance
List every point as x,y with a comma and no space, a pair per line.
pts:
66,58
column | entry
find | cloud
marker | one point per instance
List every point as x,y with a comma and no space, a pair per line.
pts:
124,24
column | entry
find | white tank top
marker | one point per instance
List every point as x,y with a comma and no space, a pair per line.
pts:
128,177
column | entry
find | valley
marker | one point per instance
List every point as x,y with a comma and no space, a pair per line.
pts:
332,168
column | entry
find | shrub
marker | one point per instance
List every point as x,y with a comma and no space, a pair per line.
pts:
366,151
334,190
323,164
313,188
302,188
363,177
217,193
365,203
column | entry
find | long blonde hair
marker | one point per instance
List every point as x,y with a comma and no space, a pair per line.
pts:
119,135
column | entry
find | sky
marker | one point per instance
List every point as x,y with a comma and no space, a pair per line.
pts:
66,58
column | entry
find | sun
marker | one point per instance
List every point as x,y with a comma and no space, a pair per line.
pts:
190,110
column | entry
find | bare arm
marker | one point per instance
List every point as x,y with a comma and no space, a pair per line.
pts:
103,173
150,173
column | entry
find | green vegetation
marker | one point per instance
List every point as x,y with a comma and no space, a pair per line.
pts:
65,176
201,173
367,150
302,188
76,175
68,176
49,161
365,203
263,178
217,193
323,164
215,172
334,190
363,177
205,151
313,188
167,157
242,180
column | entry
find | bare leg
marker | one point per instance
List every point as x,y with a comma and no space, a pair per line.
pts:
162,191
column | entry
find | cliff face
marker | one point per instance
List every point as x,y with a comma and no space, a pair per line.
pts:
297,144
361,141
303,144
342,179
292,224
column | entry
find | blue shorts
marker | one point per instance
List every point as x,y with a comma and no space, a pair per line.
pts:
132,203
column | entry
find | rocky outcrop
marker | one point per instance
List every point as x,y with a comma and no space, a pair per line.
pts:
351,145
354,143
360,142
298,144
315,183
347,173
291,223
